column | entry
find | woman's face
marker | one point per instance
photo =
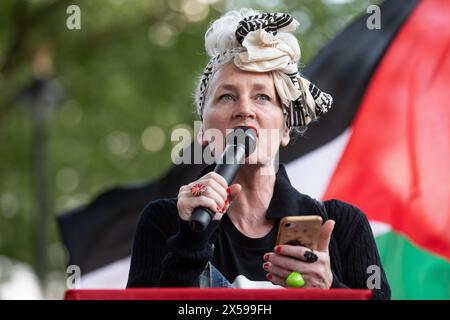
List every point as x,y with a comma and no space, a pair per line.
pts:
237,98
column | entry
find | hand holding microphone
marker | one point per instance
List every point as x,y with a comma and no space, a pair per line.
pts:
216,196
207,197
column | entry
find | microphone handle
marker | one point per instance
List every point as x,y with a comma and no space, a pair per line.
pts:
229,170
201,217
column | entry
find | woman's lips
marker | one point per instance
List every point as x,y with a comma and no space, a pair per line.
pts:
256,130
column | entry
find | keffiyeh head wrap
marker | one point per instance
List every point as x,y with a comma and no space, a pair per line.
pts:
263,48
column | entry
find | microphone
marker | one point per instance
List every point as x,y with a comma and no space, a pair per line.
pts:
240,143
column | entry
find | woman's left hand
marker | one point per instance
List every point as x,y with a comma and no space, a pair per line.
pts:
287,258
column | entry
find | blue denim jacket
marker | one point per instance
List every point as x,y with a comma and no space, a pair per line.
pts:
212,278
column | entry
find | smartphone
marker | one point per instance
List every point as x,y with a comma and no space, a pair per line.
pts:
300,231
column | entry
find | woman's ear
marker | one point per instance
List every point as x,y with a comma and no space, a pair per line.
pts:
285,137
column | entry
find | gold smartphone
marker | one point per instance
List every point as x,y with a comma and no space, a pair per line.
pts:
300,231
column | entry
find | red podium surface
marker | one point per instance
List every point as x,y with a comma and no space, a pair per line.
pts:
218,294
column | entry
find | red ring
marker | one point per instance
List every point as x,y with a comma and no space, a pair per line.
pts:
198,189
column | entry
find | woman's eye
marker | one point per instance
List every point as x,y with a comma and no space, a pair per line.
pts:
263,97
226,97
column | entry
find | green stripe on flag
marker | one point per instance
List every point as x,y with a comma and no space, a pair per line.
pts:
413,273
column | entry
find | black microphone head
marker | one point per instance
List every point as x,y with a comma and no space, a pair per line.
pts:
243,135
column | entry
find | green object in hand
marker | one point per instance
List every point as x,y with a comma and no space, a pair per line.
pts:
295,280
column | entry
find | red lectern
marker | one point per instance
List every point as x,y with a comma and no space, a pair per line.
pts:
218,294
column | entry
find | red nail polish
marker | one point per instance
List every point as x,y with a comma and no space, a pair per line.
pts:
226,202
266,266
278,249
269,276
266,257
228,191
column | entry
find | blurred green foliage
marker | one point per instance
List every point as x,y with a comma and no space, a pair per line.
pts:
128,77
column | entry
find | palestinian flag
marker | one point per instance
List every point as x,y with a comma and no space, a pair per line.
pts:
384,147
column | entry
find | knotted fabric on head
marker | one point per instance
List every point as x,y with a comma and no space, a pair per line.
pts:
264,49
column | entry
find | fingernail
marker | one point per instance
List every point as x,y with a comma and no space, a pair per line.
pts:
266,257
265,266
269,276
278,249
226,202
228,191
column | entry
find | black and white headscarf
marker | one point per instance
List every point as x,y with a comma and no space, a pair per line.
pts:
263,50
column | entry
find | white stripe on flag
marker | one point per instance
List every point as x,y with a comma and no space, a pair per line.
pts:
312,173
111,276
379,228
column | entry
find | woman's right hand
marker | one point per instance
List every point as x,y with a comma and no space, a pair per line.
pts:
217,196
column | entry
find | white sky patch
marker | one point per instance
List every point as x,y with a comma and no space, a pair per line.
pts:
18,281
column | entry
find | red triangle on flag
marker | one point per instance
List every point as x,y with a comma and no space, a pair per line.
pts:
396,167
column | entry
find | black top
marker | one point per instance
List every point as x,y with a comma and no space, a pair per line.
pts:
236,254
166,252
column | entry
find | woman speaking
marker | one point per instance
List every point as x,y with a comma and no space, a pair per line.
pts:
252,80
